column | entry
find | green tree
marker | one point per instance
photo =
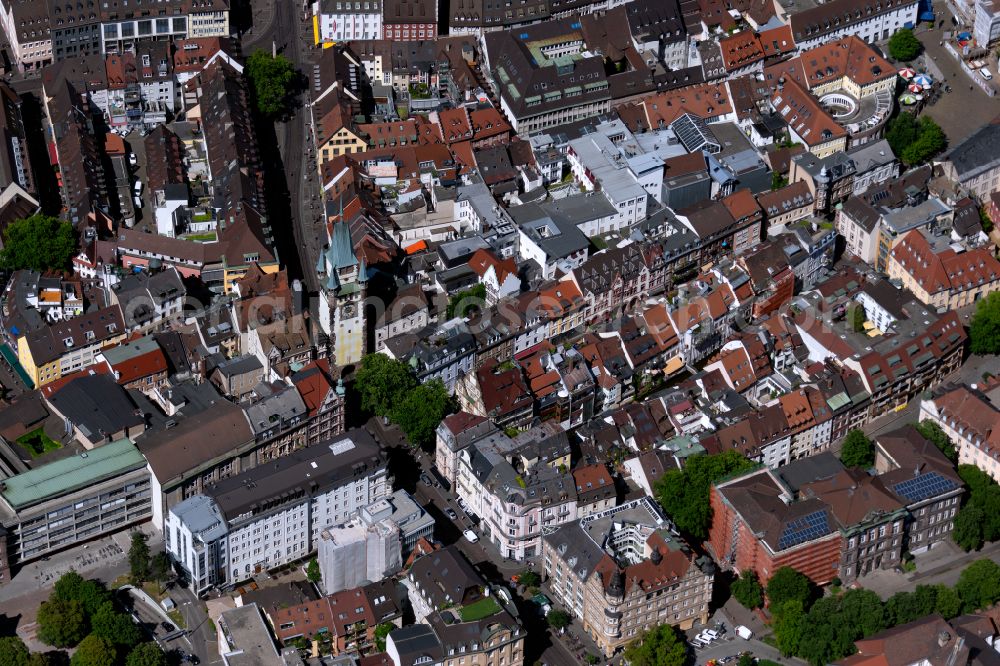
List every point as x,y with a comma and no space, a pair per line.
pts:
932,432
930,141
116,628
902,607
160,568
748,591
787,584
984,329
979,585
528,578
947,602
978,520
901,131
13,651
684,493
383,383
71,586
967,530
272,81
789,626
862,613
467,301
558,619
660,646
94,651
313,573
904,46
421,411
985,221
51,658
38,243
381,631
61,623
856,317
778,181
138,558
858,450
146,654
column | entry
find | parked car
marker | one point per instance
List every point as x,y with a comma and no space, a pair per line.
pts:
426,480
451,513
471,536
462,505
696,644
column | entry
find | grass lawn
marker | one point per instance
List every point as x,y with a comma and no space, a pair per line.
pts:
477,611
201,217
201,237
178,620
37,443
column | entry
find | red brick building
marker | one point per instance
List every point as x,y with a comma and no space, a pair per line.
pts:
409,20
752,530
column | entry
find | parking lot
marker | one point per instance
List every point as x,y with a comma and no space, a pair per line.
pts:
145,220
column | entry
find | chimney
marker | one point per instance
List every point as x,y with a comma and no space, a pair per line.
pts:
943,638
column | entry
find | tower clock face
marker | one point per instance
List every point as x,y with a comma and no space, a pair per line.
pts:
349,310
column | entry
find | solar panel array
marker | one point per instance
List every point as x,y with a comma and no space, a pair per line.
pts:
926,485
806,528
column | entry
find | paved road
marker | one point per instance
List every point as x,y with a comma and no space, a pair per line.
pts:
290,33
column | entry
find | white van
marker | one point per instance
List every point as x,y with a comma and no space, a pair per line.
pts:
985,72
744,632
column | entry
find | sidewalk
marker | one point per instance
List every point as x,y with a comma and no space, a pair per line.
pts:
943,564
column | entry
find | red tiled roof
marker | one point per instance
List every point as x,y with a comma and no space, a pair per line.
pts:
741,50
137,367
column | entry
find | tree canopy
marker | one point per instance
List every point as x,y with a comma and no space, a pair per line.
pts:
116,628
469,300
660,646
94,651
381,631
92,594
313,573
984,329
904,45
62,623
421,411
558,619
146,654
932,432
383,383
272,80
748,591
858,450
979,585
38,243
684,493
389,389
825,632
786,585
915,141
978,521
138,558
13,651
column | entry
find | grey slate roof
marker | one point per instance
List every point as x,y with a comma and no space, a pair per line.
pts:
978,153
311,471
96,405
